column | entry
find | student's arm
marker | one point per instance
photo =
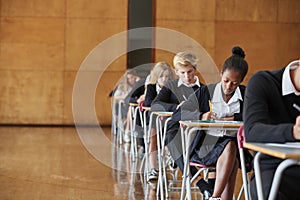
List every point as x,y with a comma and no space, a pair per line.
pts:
195,106
265,115
163,102
137,92
239,116
150,94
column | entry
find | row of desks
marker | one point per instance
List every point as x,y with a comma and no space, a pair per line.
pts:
290,154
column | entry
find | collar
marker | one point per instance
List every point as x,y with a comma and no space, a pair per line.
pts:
287,85
157,88
217,96
180,82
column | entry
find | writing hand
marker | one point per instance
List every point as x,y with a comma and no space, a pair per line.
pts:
209,116
296,129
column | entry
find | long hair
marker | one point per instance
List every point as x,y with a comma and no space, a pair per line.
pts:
158,70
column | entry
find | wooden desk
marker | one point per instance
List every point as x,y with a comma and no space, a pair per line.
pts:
280,151
290,156
189,127
160,134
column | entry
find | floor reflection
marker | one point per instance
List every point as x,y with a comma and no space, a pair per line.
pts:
129,176
55,163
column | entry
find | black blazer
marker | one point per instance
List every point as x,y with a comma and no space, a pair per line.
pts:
151,93
269,116
171,95
197,104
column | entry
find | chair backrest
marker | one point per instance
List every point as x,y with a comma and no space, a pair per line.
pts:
245,161
141,104
241,137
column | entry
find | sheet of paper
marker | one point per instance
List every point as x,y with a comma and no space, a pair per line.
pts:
228,122
288,144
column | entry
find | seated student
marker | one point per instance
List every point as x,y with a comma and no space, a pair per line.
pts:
125,86
160,74
227,104
136,95
269,116
176,91
122,90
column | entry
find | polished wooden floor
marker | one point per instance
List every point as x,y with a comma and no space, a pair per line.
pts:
59,163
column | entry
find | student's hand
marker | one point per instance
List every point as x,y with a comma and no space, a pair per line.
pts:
209,116
229,118
296,129
141,98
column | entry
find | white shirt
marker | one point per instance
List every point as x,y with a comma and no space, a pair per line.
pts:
287,85
180,82
158,88
223,109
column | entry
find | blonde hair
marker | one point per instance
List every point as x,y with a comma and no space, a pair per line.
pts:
158,70
184,59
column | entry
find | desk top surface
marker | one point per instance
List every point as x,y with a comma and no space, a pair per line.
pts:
163,113
133,104
212,123
146,108
283,151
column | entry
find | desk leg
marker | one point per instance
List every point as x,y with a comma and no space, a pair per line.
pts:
120,122
259,187
184,171
160,189
163,155
131,126
186,187
147,144
277,177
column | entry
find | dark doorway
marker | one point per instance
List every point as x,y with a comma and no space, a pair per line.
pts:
140,14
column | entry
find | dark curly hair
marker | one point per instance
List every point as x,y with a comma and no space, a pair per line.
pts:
236,61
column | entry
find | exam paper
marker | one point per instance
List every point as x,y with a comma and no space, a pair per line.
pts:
288,144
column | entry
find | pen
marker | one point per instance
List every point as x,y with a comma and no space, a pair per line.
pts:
296,106
210,106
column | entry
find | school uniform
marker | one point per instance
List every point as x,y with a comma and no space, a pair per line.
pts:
269,117
206,148
170,96
151,93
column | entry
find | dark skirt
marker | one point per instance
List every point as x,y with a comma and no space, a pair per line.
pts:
208,149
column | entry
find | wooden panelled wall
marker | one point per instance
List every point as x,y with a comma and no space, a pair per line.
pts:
43,43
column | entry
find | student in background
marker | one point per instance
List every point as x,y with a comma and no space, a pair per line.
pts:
176,91
126,85
160,74
269,116
136,95
207,148
121,91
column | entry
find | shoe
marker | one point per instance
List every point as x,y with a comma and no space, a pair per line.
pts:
214,198
171,162
152,175
205,189
127,137
206,195
173,165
